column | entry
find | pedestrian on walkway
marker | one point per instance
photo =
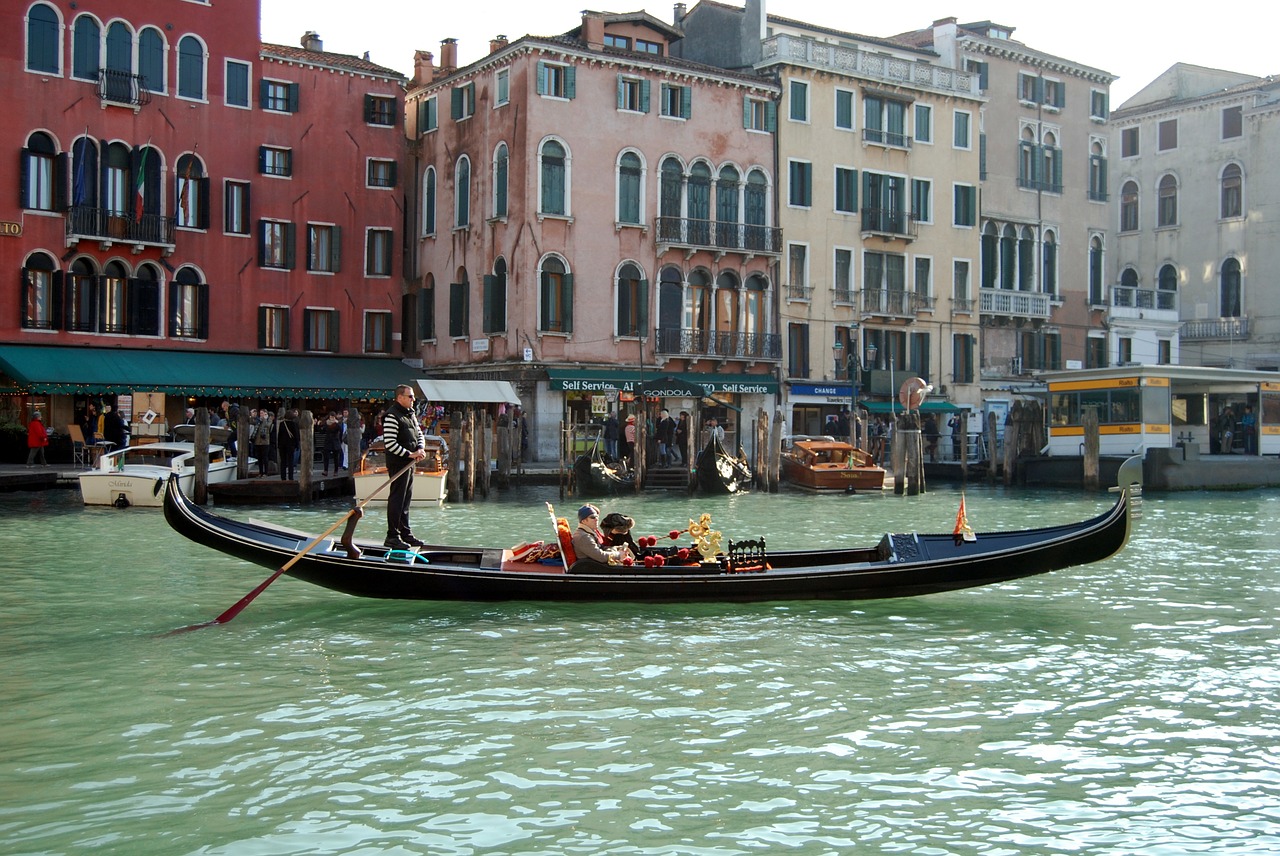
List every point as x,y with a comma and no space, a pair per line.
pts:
37,439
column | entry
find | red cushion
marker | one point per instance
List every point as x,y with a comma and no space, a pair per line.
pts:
566,541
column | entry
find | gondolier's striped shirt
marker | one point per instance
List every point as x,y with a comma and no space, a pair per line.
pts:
400,432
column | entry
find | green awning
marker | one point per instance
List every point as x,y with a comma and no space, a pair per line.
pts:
629,380
51,369
895,407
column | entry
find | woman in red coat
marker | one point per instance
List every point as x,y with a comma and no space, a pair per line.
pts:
37,439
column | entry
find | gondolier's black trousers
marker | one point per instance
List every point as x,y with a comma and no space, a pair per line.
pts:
399,497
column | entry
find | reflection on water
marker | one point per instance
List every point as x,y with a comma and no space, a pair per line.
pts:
1123,707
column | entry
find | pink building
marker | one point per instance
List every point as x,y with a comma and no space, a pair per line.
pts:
590,211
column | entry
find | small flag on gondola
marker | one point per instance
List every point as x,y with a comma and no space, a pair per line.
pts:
963,531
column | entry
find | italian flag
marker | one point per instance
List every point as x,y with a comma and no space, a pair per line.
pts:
139,183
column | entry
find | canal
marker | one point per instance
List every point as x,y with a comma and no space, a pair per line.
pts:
1127,706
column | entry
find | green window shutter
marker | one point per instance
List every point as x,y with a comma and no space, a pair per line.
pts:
644,96
643,314
570,82
455,106
262,327
262,243
983,71
290,252
771,117
566,303
293,98
1057,168
982,155
1038,90
622,92
542,78
1102,175
746,112
686,102
853,188
490,284
368,107
337,249
263,88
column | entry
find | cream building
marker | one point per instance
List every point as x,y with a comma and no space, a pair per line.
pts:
1196,221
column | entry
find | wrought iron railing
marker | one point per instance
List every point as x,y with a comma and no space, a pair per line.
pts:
712,234
889,221
686,342
1143,298
123,87
84,221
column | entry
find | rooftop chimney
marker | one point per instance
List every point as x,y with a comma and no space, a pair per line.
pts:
448,55
593,29
679,13
311,41
424,67
942,21
497,43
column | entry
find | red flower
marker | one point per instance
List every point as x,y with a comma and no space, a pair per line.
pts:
648,561
659,561
683,554
674,534
628,561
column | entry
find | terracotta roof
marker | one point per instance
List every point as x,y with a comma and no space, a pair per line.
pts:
346,62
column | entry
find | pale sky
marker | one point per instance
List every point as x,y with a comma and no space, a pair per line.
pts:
1137,42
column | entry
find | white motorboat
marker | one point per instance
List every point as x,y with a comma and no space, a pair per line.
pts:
136,475
429,476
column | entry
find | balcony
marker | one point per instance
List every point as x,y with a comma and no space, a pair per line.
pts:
122,87
1148,304
113,227
854,62
894,303
893,139
889,223
1015,304
685,342
799,292
713,235
1224,329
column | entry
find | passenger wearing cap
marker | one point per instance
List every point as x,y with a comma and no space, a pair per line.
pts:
588,543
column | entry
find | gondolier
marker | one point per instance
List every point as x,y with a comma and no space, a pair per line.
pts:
404,443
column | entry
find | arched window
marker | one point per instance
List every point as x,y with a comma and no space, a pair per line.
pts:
755,202
1167,202
1167,288
1095,271
554,178
113,299
188,305
1129,207
462,193
500,165
1052,175
669,202
1129,278
630,170
697,315
427,309
81,297
754,315
1232,195
700,204
460,305
192,203
1050,267
120,48
632,301
1028,167
38,191
44,44
1008,257
144,302
670,309
151,68
555,297
990,255
1026,259
1232,299
727,313
86,48
429,201
190,68
727,186
41,298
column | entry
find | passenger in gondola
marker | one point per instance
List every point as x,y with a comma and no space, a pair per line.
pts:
589,544
617,532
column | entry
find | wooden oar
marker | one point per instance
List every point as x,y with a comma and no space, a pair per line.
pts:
355,513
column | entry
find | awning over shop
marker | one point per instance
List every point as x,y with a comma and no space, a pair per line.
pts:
51,369
894,407
469,391
630,380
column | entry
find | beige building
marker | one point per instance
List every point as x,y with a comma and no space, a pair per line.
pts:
1195,217
1045,223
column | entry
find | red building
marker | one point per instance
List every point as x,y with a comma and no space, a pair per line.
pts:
183,192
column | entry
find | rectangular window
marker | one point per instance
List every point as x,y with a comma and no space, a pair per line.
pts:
1097,178
960,285
844,109
1232,122
279,96
378,252
273,328
1129,143
797,272
459,309
799,184
759,115
381,173
963,137
620,42
1054,93
503,87
1167,135
924,123
236,208
676,101
922,200
843,279
798,101
1030,88
377,332
320,330
428,118
323,246
633,94
275,162
648,47
556,81
963,348
237,94
846,190
924,277
885,122
380,110
884,272
966,207
462,101
798,350
1098,105
275,244
1095,353
495,304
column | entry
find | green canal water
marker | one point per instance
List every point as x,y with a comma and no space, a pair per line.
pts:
1125,707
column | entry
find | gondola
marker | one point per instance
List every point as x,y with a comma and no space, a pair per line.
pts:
719,472
595,474
899,565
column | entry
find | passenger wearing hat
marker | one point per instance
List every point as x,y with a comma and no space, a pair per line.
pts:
588,542
617,532
37,439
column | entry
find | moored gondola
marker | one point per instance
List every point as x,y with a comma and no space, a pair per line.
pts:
719,472
596,474
898,565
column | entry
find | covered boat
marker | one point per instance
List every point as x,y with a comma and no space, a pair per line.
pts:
596,473
720,472
429,476
827,464
136,475
898,565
